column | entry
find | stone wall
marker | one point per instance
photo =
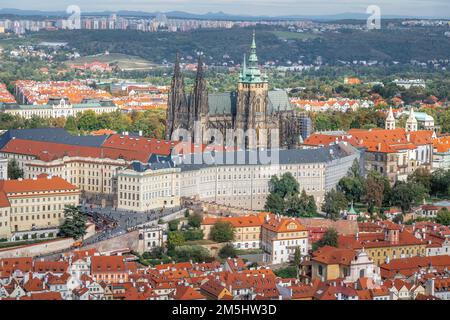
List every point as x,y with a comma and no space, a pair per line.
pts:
38,249
129,240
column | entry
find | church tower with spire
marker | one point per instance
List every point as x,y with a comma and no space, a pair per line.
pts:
178,108
198,101
252,98
411,123
390,120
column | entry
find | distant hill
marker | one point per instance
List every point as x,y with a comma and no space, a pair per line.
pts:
223,45
209,15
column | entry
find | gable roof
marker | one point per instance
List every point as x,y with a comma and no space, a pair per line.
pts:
331,255
55,183
105,264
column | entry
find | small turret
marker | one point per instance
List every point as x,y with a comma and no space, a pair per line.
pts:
411,123
390,120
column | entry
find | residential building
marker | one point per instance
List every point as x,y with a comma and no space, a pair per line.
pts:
439,288
247,229
281,237
330,263
441,153
402,290
111,269
30,205
407,267
394,242
39,93
151,237
277,236
394,153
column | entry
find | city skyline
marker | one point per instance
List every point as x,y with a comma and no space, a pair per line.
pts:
422,8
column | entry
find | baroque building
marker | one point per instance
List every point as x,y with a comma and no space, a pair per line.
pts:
252,108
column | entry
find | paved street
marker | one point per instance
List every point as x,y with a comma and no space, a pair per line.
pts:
119,221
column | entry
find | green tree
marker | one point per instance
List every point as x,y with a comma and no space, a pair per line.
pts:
14,171
193,234
285,198
406,195
87,121
173,225
297,260
286,273
440,182
421,176
275,203
286,186
193,253
301,206
443,217
195,220
330,238
353,184
222,232
71,125
228,251
174,239
334,203
74,225
376,190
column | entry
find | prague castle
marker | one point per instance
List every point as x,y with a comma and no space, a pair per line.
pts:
252,107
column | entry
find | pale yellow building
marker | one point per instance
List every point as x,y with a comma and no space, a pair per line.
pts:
34,204
148,189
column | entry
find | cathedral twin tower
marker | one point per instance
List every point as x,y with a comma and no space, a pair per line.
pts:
251,108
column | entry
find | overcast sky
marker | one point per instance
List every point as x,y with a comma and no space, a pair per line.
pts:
432,8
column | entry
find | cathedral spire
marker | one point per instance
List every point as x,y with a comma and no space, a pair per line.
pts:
177,107
253,59
199,96
177,68
251,73
200,67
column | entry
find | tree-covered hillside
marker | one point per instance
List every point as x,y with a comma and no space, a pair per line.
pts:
220,45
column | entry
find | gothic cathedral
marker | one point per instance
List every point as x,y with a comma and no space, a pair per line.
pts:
252,108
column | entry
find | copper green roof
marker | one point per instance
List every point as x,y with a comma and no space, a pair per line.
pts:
225,103
251,73
352,210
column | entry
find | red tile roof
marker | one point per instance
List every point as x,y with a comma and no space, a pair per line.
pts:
376,140
409,266
187,293
50,266
43,296
331,255
107,264
376,240
55,184
281,224
9,265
